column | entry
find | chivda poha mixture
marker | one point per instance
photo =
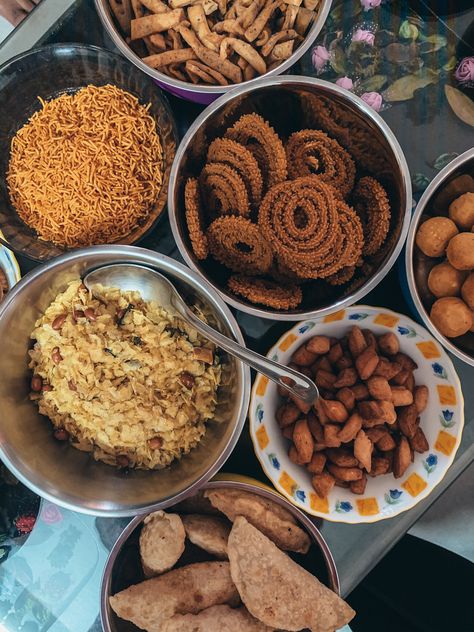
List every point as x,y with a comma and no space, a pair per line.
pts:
122,378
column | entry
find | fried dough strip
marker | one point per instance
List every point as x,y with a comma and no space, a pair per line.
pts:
258,25
246,51
170,57
155,23
277,38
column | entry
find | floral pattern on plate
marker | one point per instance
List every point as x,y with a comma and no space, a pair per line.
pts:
384,496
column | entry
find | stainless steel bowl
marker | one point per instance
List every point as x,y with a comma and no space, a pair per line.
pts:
72,478
289,104
123,564
454,180
202,93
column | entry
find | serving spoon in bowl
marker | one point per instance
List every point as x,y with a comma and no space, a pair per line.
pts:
155,287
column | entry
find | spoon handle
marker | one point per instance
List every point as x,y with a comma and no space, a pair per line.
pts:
302,387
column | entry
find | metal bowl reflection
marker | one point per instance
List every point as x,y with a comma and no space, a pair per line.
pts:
72,478
454,180
290,104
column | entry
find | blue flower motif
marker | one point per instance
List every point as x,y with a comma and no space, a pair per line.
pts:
392,497
446,418
343,506
274,461
259,413
409,332
306,327
300,495
357,316
430,463
439,370
275,357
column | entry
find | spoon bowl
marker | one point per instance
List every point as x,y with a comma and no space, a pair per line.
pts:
155,287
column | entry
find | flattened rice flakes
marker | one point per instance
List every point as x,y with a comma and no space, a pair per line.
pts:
112,375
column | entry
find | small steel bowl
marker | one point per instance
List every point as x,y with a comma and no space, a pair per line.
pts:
454,180
67,476
123,566
201,93
48,72
290,104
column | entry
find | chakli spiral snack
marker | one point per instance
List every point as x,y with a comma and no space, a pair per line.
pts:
238,244
252,131
192,205
266,292
280,215
372,206
227,151
312,152
224,189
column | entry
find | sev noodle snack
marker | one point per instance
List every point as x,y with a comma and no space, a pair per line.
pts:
87,168
122,378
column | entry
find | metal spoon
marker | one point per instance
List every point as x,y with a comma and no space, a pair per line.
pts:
153,286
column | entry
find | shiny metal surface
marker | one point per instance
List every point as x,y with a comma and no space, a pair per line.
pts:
153,286
182,87
72,478
454,180
48,72
124,553
312,103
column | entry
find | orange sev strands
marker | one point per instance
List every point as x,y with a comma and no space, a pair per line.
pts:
86,168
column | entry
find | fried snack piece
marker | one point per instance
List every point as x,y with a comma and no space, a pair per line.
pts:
223,190
467,291
461,211
252,131
208,532
451,316
192,205
433,235
301,221
189,589
278,591
215,618
238,244
227,151
196,504
312,152
161,542
460,251
265,292
373,207
272,520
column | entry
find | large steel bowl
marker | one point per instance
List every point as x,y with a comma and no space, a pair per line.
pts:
202,93
48,72
123,565
72,478
454,180
289,104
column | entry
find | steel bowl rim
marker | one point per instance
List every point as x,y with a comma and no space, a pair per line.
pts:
244,485
242,369
164,103
111,29
363,108
410,247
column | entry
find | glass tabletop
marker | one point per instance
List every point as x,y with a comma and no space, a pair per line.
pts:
50,579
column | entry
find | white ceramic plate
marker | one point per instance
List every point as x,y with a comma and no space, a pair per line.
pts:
442,422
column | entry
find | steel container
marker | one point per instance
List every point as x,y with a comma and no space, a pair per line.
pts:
288,103
202,93
454,180
123,563
67,476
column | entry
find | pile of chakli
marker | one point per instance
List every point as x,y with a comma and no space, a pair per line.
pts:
280,214
251,583
214,42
